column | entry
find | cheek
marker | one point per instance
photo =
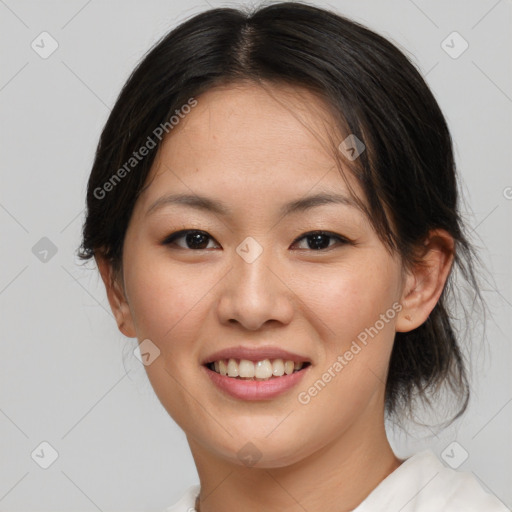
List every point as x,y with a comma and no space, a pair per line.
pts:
351,297
165,301
354,308
168,307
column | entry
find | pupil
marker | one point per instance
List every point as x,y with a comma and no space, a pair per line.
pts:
197,240
316,241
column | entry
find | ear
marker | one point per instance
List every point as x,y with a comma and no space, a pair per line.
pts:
425,282
116,297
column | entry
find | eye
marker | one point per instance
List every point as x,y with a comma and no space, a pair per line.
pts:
319,240
194,239
198,240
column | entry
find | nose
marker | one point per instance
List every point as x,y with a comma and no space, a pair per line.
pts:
255,293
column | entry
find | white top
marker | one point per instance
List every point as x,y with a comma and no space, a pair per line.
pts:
420,484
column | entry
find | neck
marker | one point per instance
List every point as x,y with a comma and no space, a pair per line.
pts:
338,476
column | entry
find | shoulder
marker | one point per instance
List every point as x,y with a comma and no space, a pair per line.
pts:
422,484
186,502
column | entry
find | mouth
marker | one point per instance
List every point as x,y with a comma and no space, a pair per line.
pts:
264,379
262,370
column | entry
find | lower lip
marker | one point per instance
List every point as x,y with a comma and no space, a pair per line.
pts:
255,389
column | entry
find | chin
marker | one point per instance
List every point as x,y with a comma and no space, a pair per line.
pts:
260,451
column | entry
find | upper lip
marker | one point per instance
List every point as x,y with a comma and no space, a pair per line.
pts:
255,354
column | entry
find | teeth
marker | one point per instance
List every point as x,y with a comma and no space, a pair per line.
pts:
278,368
261,370
246,368
232,368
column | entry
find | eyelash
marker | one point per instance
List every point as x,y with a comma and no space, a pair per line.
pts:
170,239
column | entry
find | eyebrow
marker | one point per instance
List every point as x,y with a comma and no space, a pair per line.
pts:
204,203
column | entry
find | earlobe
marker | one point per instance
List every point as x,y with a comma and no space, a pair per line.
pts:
426,280
116,298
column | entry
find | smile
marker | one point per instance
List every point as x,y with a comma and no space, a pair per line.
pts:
264,369
254,387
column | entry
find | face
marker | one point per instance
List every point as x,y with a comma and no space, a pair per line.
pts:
254,274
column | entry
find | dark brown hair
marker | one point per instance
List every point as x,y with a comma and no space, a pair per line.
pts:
373,91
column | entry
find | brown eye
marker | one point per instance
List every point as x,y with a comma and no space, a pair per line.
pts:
320,240
194,239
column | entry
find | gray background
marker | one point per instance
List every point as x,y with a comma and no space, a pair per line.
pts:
62,375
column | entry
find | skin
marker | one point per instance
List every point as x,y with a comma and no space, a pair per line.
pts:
256,149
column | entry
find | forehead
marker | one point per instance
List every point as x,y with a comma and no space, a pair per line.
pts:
252,143
250,107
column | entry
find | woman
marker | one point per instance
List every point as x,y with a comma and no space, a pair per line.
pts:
273,210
